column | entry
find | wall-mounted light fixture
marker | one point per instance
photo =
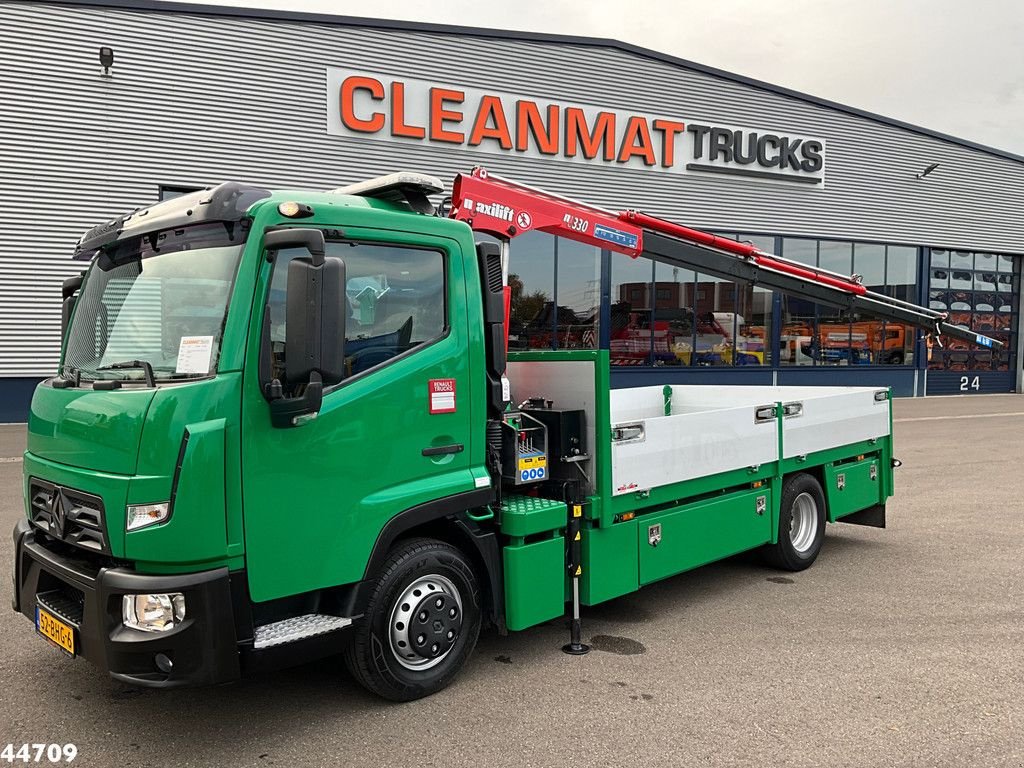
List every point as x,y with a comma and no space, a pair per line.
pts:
926,171
106,60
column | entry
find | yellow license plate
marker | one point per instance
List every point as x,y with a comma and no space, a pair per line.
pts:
56,631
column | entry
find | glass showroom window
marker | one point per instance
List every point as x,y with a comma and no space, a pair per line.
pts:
753,308
666,315
547,313
631,320
798,333
532,280
814,334
1008,307
890,270
754,325
731,323
733,320
578,289
682,314
981,291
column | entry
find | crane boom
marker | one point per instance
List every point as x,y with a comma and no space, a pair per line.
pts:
507,209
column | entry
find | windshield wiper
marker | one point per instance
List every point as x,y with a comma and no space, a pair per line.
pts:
177,376
147,369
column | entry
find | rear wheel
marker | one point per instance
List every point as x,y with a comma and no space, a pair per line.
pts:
801,524
421,623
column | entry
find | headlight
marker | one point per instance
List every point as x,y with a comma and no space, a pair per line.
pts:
145,515
153,613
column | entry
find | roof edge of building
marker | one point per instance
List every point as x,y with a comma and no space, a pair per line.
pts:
273,14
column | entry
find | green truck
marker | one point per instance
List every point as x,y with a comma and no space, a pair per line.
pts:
286,425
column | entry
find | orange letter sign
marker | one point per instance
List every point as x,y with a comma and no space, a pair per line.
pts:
352,84
439,115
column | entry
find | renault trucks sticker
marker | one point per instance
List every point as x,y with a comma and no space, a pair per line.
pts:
442,395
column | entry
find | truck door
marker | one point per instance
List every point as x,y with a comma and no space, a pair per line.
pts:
316,495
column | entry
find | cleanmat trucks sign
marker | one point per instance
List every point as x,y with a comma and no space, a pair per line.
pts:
383,107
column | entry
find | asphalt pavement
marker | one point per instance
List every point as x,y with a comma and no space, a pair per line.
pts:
898,647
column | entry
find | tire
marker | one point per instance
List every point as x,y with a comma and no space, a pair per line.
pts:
896,358
801,524
395,652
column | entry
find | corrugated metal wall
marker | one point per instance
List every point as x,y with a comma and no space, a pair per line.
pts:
200,99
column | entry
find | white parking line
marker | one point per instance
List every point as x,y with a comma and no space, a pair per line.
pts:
10,460
964,416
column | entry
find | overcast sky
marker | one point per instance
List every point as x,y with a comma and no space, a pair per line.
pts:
954,66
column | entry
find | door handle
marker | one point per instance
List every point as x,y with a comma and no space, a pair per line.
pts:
441,450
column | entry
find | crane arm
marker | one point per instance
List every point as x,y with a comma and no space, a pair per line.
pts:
507,209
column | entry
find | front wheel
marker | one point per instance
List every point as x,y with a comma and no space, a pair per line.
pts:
801,524
421,623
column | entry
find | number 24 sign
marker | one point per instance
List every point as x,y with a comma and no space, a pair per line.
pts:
967,383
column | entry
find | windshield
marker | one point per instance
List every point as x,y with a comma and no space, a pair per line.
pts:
160,300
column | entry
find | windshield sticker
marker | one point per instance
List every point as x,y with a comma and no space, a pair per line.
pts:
194,354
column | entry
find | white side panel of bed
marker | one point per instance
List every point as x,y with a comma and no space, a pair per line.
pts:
712,429
686,446
830,420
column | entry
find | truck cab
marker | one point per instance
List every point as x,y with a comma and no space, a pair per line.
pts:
314,359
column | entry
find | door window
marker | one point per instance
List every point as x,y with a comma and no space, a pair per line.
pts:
395,302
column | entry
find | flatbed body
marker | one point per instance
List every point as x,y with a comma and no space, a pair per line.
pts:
688,474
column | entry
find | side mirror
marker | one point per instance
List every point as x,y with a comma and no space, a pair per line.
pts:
315,314
315,320
68,290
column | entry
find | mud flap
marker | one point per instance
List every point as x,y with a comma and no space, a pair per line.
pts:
872,516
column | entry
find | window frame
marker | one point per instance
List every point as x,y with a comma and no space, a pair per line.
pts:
331,237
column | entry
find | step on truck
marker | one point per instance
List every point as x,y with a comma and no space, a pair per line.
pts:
287,425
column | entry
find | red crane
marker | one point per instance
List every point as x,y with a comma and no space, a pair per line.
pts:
507,209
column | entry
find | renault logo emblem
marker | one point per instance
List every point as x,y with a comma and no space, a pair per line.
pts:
58,514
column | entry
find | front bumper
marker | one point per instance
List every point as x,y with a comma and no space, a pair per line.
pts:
203,649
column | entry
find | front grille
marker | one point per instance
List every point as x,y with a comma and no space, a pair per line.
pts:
68,515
